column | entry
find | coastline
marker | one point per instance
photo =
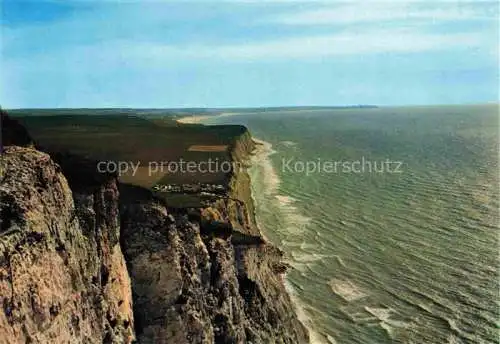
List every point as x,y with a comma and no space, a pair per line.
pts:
196,119
200,119
261,159
213,287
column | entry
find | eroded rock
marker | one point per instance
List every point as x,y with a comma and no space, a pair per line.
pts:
59,282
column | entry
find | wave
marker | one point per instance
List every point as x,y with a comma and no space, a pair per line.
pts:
265,193
284,200
288,143
314,246
422,245
347,290
303,316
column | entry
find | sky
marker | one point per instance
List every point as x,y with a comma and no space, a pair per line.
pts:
165,54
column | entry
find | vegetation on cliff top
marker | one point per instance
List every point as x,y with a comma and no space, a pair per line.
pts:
150,150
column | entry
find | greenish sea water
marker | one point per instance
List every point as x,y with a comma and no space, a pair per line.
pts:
381,257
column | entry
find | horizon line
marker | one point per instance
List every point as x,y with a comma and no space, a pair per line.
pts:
252,107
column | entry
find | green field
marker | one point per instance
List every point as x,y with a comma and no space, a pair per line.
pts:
134,138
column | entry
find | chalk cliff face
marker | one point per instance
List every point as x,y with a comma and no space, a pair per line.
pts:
64,278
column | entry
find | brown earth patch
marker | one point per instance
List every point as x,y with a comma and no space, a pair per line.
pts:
213,148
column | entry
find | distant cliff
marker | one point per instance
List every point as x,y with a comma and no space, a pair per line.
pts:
193,283
185,275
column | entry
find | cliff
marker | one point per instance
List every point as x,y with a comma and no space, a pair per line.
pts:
194,284
62,274
185,275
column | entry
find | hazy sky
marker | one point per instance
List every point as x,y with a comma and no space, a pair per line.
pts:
234,53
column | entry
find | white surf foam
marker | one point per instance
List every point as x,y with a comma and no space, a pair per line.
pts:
284,200
288,143
293,222
340,260
384,316
331,340
262,162
304,261
304,318
346,290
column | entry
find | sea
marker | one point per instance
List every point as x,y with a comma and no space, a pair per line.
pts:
388,216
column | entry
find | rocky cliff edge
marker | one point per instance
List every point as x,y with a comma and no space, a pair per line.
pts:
85,260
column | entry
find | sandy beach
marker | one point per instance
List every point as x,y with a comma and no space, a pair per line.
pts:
192,119
196,119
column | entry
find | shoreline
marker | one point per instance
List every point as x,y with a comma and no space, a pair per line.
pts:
193,119
258,157
259,150
214,276
199,119
263,150
260,153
